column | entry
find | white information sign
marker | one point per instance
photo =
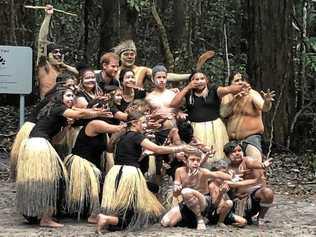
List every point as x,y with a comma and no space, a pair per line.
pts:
15,70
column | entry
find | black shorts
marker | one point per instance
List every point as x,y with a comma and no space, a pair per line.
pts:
189,218
255,207
229,219
160,138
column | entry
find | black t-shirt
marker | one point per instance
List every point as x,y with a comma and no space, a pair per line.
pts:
49,125
203,109
128,149
139,94
107,86
35,111
90,148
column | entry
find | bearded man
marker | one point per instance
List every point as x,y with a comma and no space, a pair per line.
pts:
50,57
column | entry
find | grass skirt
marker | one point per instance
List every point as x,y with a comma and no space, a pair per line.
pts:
41,178
212,133
124,189
84,186
22,135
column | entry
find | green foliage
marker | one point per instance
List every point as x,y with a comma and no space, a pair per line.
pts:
137,4
310,56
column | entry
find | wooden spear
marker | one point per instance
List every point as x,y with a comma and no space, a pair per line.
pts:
57,10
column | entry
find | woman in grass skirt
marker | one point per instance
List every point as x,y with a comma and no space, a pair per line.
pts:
41,175
127,202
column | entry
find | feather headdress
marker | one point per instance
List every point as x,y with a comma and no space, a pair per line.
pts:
124,46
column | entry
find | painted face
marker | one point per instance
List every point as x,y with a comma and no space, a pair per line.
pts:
89,80
68,98
237,78
201,80
237,155
129,79
193,162
160,80
128,58
111,68
57,54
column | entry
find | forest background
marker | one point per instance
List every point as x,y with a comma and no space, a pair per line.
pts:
273,41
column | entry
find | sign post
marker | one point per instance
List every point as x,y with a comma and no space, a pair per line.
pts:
16,73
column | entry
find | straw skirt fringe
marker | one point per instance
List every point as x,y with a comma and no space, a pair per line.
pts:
212,133
84,186
41,178
125,189
22,135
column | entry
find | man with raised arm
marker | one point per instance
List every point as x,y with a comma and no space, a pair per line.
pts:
49,58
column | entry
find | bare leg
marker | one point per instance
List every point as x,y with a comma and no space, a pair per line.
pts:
92,219
197,203
266,198
103,220
172,217
47,221
223,210
253,152
239,221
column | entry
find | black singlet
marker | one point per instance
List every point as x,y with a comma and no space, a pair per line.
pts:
128,149
204,109
50,125
90,148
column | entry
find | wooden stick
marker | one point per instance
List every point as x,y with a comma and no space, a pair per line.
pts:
57,10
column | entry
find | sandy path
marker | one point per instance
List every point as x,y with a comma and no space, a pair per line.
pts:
289,218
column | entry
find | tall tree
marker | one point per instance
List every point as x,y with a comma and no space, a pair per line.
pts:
270,63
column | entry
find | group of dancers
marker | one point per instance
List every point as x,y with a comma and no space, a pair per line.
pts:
98,146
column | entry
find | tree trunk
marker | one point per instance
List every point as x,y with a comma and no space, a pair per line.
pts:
270,63
164,38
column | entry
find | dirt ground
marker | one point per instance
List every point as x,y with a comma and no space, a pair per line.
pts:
292,216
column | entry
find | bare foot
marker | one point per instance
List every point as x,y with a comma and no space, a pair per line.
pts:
101,222
260,222
48,222
92,220
201,225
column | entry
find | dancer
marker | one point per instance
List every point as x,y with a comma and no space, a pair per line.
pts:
127,202
127,52
260,196
243,114
84,169
202,100
50,59
41,174
191,182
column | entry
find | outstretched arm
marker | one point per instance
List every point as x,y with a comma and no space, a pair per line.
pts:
177,77
255,164
218,174
268,98
43,33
